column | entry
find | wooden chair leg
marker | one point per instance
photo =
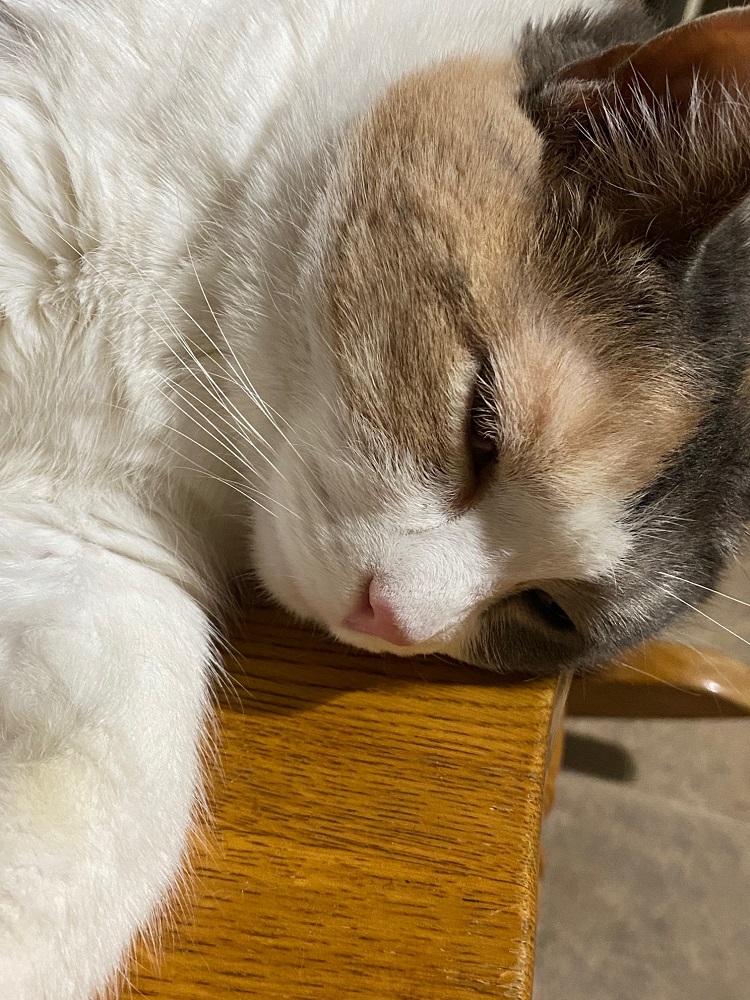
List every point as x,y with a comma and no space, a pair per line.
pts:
553,769
554,755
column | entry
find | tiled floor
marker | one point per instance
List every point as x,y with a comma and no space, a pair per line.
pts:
646,894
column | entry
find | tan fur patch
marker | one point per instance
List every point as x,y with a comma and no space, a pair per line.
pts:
434,262
436,192
572,418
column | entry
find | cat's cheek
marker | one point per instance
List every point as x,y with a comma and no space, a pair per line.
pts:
275,571
288,563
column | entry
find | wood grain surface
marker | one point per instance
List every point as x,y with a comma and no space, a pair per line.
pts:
665,680
376,830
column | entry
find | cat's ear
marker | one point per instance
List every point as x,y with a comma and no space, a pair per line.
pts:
658,133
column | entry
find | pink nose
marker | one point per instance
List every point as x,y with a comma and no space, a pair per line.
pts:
374,615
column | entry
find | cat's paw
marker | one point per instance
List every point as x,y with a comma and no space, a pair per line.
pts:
103,676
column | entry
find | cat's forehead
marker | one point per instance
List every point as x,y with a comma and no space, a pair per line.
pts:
415,212
437,188
438,256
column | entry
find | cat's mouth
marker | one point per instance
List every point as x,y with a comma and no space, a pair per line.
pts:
373,644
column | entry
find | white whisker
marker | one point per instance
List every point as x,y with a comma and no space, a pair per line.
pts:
703,614
719,593
220,437
234,367
245,487
709,618
653,677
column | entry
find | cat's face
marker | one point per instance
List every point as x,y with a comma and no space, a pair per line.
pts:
492,455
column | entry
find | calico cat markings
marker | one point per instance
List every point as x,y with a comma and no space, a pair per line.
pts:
445,341
451,245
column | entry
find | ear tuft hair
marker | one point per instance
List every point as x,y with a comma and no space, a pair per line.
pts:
545,49
667,177
657,134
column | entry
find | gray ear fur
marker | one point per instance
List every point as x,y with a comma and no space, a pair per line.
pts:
545,49
655,134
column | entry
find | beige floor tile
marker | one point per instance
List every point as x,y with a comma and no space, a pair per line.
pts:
644,898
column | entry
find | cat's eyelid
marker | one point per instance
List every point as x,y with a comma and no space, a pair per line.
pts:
481,396
482,443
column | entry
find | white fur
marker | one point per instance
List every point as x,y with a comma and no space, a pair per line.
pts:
103,665
157,161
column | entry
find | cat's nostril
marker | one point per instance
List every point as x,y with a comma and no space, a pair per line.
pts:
375,615
364,608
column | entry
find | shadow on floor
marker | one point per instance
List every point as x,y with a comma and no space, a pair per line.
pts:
599,758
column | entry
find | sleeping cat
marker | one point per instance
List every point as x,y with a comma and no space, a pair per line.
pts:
432,316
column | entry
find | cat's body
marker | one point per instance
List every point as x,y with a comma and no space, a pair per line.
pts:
211,252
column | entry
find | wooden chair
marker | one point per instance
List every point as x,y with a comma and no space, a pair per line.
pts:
668,680
377,820
376,832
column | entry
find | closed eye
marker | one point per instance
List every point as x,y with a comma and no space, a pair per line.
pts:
482,438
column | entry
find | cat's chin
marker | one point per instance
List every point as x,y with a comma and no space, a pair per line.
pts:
372,644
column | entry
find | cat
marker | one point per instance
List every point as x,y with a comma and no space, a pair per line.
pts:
431,314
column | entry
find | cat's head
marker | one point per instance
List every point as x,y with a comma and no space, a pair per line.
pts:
521,435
